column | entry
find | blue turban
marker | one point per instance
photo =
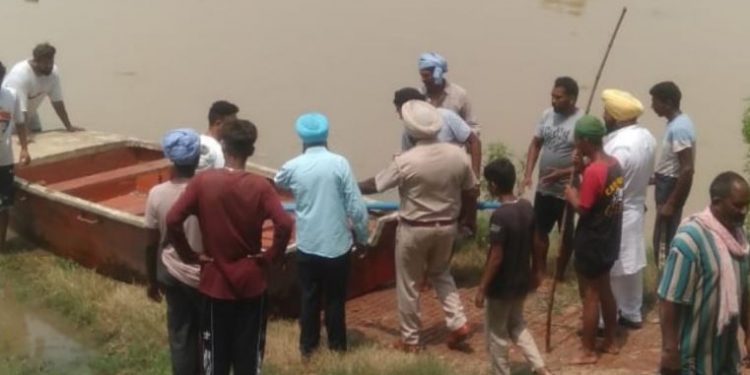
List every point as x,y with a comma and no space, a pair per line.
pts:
436,62
312,127
181,146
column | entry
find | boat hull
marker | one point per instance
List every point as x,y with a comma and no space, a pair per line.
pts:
86,203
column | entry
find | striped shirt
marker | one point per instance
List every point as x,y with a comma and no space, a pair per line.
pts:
691,280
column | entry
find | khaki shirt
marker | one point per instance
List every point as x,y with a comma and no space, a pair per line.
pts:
455,98
430,178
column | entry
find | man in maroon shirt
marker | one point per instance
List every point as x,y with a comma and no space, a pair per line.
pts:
231,205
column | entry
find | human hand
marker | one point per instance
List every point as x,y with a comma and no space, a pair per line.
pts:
153,292
479,299
570,192
577,159
361,250
74,129
536,280
553,175
24,158
524,184
666,209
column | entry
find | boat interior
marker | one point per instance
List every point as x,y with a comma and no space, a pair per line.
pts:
118,178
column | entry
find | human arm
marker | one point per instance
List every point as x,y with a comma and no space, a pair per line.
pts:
474,147
592,187
491,267
62,113
555,174
151,218
532,155
368,186
152,249
745,322
20,116
355,206
684,182
186,205
386,179
676,289
282,224
670,358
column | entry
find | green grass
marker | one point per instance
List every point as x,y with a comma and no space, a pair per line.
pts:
129,331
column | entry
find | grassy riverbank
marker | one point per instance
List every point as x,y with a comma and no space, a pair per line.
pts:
129,331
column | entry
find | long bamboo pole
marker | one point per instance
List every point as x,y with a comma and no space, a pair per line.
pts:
551,302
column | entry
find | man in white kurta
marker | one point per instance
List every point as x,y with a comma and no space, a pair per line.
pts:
634,147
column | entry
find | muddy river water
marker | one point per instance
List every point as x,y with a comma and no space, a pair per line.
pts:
40,339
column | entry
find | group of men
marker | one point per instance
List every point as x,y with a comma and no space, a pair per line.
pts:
205,252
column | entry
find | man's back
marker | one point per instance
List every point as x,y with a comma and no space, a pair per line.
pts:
326,195
431,177
231,206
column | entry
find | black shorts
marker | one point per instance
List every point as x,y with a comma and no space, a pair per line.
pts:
7,187
548,211
591,270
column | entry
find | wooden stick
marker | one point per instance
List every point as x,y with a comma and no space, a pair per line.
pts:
551,302
604,60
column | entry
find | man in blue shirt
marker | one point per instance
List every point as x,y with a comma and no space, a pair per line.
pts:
330,211
673,175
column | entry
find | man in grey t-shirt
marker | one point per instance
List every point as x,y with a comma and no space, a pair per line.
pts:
554,139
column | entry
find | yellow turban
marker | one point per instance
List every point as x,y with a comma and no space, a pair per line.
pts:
621,105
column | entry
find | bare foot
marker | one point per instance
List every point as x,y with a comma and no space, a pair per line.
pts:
584,357
610,348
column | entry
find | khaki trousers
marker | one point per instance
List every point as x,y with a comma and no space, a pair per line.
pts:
504,323
421,250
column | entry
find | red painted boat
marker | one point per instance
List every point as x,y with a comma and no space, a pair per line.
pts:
84,198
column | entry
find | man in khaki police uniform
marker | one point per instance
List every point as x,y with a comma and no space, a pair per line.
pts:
433,180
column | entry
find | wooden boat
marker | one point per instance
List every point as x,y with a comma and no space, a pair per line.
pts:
84,196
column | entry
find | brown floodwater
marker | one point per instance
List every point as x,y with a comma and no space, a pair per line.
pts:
39,339
140,67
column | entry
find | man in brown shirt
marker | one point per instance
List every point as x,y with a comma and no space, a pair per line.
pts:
433,181
444,94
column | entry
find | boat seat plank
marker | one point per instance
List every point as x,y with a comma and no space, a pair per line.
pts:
130,171
133,203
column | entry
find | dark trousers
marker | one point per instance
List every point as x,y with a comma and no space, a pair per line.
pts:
233,335
322,281
665,227
183,320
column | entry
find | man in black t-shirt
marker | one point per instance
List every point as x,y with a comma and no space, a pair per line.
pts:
509,273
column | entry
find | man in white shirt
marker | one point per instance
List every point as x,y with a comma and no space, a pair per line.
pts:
35,79
212,156
10,118
634,148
